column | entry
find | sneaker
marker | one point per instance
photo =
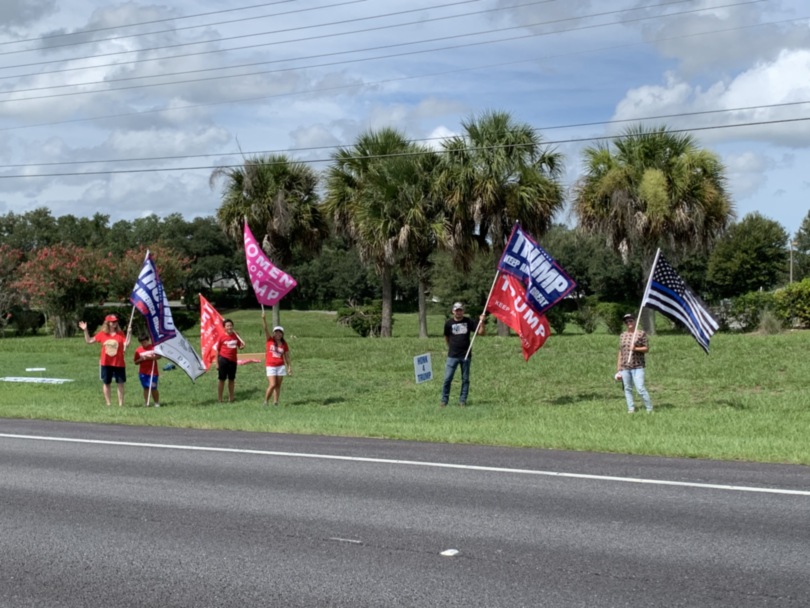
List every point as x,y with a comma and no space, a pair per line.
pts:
631,410
264,404
157,404
442,404
462,404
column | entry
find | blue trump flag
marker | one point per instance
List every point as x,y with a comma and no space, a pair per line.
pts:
545,281
150,299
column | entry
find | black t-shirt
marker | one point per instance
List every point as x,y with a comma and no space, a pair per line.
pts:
459,334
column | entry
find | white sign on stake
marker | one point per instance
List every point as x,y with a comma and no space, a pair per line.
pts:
423,368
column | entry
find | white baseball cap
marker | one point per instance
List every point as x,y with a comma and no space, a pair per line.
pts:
278,328
458,305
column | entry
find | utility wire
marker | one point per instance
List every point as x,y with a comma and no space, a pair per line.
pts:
116,27
242,36
386,81
401,154
419,140
443,38
117,64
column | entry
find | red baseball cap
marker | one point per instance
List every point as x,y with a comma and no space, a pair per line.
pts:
111,318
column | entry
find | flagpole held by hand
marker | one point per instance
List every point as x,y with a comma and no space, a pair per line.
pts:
482,318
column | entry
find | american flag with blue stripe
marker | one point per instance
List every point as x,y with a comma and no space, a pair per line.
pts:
669,295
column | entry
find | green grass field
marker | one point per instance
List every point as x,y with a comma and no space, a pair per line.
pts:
748,400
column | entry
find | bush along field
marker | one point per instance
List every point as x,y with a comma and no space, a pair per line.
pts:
747,400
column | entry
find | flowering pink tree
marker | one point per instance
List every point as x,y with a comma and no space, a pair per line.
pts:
61,280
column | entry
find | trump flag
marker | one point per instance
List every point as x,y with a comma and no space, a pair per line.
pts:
545,281
210,330
269,282
509,304
150,299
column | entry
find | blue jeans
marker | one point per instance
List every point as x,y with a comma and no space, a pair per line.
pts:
450,371
635,377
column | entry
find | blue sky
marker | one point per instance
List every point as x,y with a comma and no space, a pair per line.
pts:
313,75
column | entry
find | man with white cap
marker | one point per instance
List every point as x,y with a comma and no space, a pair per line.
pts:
457,335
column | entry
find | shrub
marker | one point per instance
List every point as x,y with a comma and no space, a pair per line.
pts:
770,323
792,304
557,319
366,320
611,314
25,320
586,319
747,309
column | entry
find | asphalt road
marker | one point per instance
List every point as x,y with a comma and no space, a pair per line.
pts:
200,519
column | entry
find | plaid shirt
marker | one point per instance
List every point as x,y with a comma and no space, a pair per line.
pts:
625,348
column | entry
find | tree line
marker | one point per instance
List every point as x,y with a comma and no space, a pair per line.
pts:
401,223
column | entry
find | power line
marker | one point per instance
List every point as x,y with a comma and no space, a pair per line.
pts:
389,80
402,154
420,21
154,21
443,38
420,140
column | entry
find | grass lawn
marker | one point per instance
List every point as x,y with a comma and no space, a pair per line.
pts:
748,400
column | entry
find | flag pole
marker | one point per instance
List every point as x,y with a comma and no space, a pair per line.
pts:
477,327
643,302
492,288
151,375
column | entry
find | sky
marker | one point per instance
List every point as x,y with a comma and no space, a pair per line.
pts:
126,108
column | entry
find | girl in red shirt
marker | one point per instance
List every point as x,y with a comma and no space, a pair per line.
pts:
114,343
277,360
226,346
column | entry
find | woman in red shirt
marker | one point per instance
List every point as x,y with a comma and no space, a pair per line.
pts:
114,343
277,360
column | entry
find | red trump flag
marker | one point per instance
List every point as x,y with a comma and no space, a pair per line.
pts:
508,303
210,329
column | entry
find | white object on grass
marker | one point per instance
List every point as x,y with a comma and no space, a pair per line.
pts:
449,552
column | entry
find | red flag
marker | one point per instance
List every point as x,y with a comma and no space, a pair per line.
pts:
210,330
508,303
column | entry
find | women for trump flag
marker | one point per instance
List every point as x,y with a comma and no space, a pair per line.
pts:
269,282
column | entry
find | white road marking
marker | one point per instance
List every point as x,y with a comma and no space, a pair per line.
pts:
416,463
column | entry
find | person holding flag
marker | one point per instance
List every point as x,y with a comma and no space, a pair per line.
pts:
226,347
146,358
457,335
633,345
113,344
277,360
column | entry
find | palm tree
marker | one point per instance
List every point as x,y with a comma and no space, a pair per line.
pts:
496,173
278,196
653,188
378,193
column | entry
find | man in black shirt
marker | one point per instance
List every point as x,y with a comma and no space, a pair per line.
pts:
457,333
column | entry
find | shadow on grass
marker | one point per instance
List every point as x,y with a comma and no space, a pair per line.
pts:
577,399
325,402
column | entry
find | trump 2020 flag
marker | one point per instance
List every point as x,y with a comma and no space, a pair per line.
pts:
150,299
210,330
545,281
269,282
668,294
508,303
179,351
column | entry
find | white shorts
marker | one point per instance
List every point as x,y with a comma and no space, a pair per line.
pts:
276,370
